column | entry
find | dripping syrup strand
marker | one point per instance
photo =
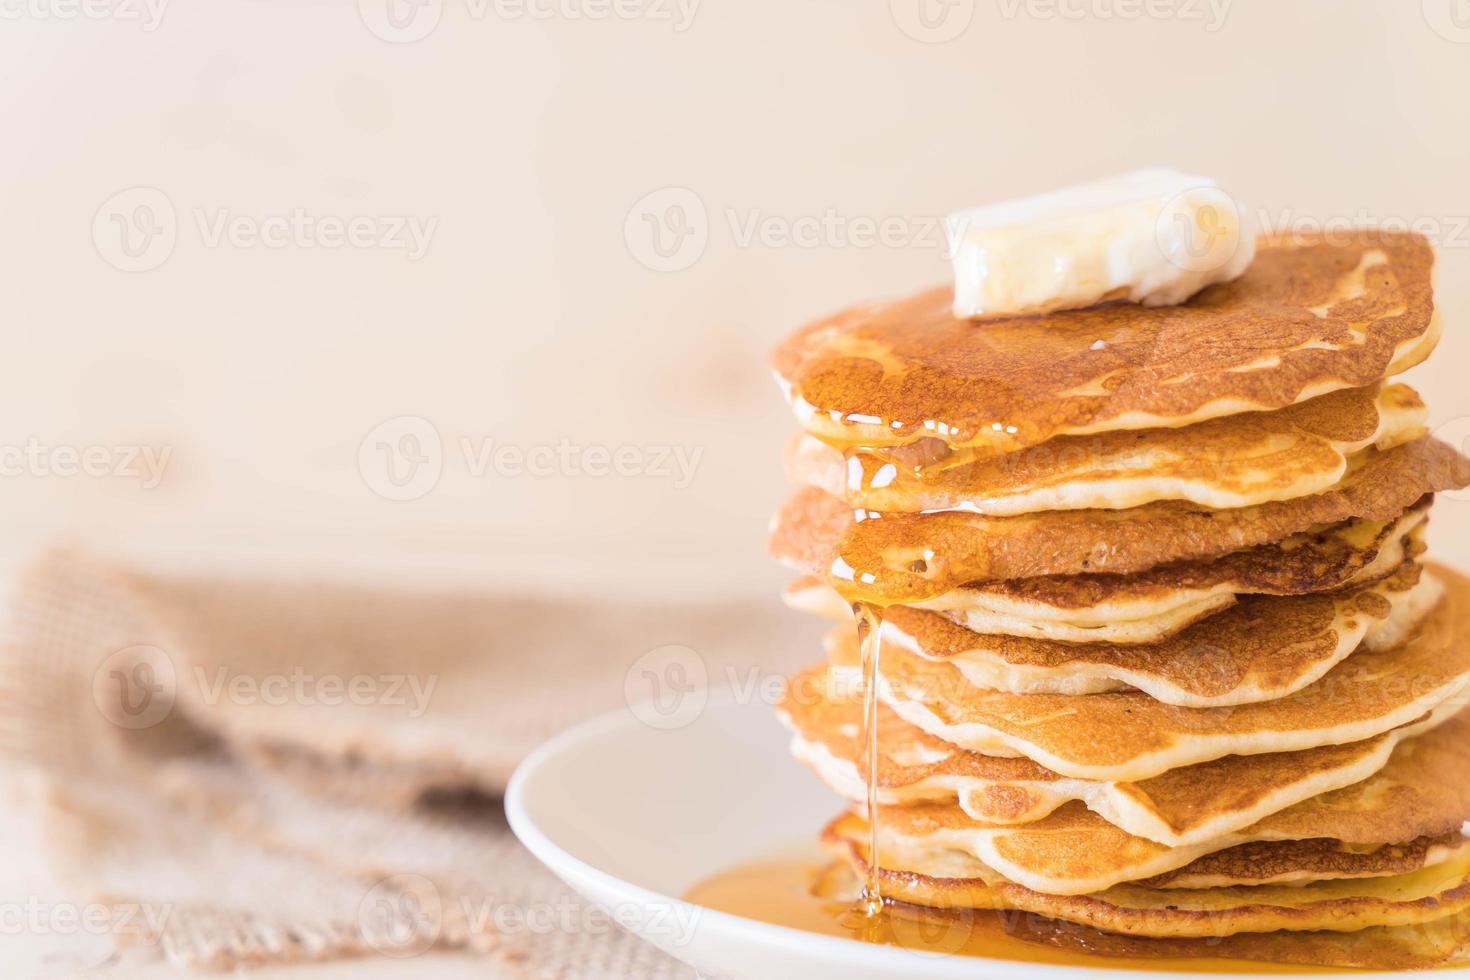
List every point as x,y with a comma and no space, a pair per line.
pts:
870,643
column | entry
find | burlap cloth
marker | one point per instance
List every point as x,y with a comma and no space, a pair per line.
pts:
256,772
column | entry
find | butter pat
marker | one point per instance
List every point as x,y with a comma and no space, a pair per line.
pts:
1154,237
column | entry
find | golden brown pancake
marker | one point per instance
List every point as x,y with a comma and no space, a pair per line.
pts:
1154,605
1425,946
913,557
1318,859
1236,461
1262,649
1187,806
1341,905
1129,736
1443,942
1073,851
1308,317
937,842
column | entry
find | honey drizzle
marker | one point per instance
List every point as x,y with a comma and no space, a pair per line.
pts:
870,644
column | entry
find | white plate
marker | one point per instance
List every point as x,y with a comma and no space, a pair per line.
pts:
632,816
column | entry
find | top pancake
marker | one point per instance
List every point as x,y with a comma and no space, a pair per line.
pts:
1309,317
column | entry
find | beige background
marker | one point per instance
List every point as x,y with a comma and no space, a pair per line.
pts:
531,319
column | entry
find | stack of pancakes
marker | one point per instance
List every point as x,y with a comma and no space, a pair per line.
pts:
1162,658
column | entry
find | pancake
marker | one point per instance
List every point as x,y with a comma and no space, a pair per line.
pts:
958,881
934,841
1420,793
1262,649
1187,806
1158,603
908,558
1432,944
1319,859
1236,461
1442,942
1129,736
1310,316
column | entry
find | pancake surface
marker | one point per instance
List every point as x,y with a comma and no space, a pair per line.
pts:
1262,649
1186,806
913,557
959,881
1128,736
1309,317
1158,603
1236,461
1421,946
1418,794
